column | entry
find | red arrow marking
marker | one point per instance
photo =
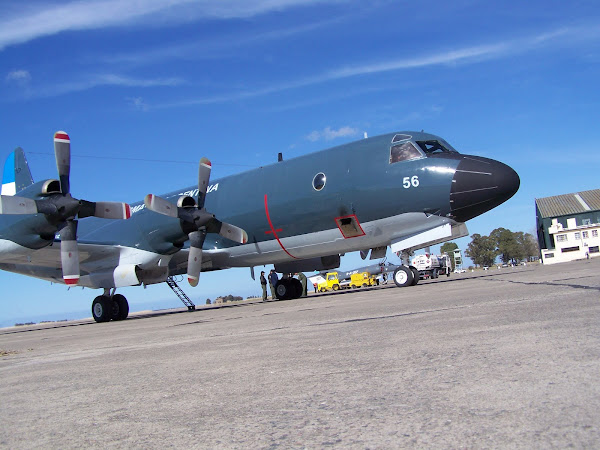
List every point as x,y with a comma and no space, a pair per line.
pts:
273,230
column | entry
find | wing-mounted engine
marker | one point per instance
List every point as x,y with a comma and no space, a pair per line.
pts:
195,221
62,210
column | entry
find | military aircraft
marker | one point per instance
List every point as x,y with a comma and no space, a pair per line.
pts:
406,190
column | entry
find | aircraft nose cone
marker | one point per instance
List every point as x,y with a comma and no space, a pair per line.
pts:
480,184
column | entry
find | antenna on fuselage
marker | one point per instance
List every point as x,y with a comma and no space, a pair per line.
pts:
279,157
365,134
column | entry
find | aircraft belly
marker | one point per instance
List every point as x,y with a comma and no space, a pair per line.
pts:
377,233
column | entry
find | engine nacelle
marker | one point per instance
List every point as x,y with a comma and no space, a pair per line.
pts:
51,187
186,202
309,265
125,275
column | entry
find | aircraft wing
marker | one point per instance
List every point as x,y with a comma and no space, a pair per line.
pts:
104,265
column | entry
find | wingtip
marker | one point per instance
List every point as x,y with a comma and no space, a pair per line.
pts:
193,281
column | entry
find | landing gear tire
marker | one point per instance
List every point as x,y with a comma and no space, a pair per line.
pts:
288,288
403,276
120,307
102,308
416,275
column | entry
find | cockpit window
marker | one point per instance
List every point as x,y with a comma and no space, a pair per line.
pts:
401,137
404,152
433,147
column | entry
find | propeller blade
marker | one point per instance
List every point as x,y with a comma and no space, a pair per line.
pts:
112,210
204,169
69,253
10,204
62,153
233,233
105,210
195,256
160,205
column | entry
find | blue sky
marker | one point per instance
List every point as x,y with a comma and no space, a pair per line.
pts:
145,89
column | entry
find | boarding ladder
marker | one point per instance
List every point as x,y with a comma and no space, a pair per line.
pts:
179,293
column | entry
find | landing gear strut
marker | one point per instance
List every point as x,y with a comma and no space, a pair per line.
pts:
110,307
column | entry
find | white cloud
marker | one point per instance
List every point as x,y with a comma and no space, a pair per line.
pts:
138,103
32,21
460,56
328,134
19,76
105,80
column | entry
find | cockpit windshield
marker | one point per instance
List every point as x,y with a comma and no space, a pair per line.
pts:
404,152
435,147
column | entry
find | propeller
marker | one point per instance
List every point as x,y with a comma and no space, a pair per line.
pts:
195,221
61,209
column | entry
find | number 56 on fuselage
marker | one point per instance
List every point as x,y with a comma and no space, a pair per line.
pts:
407,190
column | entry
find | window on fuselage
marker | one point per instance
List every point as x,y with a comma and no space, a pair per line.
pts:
435,147
404,152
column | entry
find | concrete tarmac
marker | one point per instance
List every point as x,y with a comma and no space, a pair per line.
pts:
497,359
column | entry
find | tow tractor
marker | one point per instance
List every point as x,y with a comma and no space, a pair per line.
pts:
333,283
362,279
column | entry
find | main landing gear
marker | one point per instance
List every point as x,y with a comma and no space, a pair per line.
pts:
288,288
110,307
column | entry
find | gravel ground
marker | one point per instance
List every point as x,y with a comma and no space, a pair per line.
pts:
498,359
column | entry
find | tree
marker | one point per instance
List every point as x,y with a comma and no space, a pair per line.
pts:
481,250
530,245
508,245
449,248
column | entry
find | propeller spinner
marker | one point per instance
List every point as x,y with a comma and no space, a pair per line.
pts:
196,222
61,209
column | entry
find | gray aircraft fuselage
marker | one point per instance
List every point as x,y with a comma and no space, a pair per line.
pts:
384,189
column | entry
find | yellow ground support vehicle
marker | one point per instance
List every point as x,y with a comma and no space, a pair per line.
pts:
362,279
332,282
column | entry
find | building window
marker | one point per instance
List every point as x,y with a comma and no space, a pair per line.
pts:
561,238
577,235
594,233
586,234
593,249
586,221
570,249
549,255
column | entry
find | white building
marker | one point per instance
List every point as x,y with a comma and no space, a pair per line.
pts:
567,226
572,242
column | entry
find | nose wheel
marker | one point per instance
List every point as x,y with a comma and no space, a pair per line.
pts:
110,307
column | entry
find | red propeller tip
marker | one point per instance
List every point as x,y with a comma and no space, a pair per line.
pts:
61,136
127,211
71,280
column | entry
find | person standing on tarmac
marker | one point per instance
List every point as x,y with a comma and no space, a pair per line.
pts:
273,279
302,279
263,284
